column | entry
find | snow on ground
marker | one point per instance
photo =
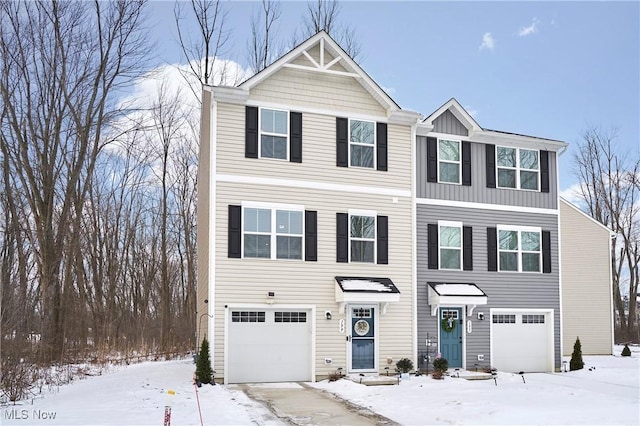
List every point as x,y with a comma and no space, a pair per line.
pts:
607,394
137,394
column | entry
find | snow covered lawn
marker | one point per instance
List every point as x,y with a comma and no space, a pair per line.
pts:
136,395
606,395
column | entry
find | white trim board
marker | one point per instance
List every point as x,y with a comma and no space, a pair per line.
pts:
485,206
324,186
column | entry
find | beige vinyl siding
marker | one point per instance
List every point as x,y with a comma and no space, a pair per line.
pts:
301,282
586,283
294,87
318,153
202,236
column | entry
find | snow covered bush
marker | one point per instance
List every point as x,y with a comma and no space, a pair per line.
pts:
203,366
440,365
626,351
576,362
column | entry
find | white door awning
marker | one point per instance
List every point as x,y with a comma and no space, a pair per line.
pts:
450,294
361,290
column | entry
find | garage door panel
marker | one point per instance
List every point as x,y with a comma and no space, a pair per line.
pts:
521,341
274,350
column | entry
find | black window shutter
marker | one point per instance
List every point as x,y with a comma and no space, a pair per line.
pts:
381,147
310,235
433,245
295,137
546,252
491,166
342,237
383,240
342,142
492,249
466,163
544,171
251,132
235,232
432,159
467,248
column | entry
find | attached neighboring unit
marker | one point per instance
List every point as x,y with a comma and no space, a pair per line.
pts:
488,282
304,209
587,303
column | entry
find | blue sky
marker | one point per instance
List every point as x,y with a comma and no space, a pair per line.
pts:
547,69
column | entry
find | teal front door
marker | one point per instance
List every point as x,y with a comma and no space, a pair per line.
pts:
363,350
450,322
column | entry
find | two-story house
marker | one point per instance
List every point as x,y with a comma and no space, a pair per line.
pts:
488,282
305,243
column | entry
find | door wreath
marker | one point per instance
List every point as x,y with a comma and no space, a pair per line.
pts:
448,324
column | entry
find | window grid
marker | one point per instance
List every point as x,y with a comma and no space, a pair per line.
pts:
446,313
280,234
362,141
273,136
520,252
361,312
362,238
282,317
247,316
451,247
518,168
504,318
445,163
533,319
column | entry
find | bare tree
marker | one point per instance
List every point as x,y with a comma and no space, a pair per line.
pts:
262,48
204,50
610,188
61,65
324,15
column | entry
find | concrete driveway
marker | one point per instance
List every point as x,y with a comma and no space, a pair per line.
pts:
300,404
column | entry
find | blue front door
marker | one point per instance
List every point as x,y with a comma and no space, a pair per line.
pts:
362,338
450,324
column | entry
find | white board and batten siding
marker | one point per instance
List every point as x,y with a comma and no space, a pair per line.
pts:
586,283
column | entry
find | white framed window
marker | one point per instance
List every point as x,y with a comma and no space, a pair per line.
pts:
449,161
532,319
519,249
362,143
518,168
450,245
362,237
503,318
272,232
274,134
449,313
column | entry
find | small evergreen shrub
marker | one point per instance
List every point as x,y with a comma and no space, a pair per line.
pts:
440,364
576,362
203,366
405,365
626,351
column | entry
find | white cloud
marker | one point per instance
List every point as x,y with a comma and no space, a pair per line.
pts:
488,42
531,29
572,194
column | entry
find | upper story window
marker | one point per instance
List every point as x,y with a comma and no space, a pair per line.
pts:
519,249
518,168
274,133
449,161
450,242
362,142
362,238
272,233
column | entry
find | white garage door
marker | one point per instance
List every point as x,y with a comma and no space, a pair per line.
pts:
269,345
521,341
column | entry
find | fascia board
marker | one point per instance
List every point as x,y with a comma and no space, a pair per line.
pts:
497,138
230,94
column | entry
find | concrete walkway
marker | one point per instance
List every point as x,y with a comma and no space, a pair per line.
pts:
300,404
